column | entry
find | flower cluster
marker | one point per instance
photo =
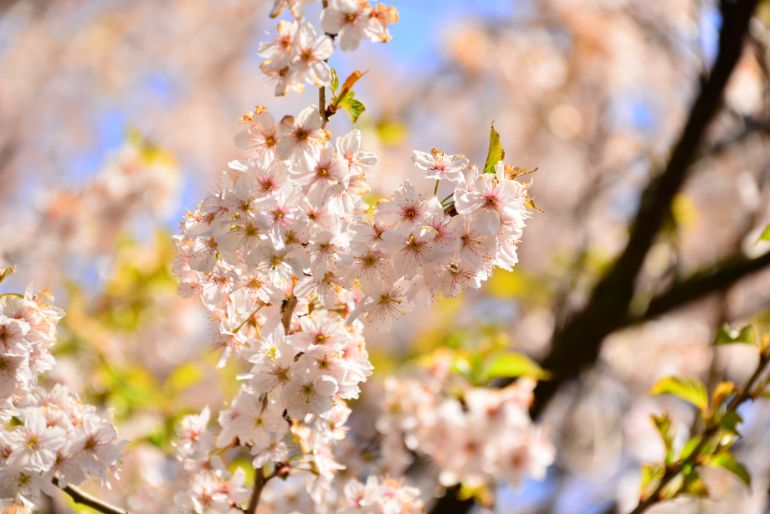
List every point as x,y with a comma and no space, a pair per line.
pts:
380,497
204,484
138,181
292,264
46,437
474,435
298,54
287,261
353,20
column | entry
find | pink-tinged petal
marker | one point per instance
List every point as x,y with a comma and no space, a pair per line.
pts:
466,202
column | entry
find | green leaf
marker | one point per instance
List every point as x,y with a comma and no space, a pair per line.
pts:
651,475
354,107
721,393
730,422
727,461
690,446
730,335
663,426
694,486
335,81
512,365
687,388
496,152
345,98
765,235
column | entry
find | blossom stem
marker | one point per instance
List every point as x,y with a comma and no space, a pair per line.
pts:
435,188
322,104
287,310
239,327
746,393
259,483
83,498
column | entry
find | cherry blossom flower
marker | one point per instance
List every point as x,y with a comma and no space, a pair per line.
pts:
440,166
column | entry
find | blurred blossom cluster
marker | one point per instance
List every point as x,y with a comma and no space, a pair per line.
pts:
47,434
474,435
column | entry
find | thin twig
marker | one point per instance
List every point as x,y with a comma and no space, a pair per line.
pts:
322,104
83,498
700,284
672,471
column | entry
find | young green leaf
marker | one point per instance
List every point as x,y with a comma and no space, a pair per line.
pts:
694,486
461,365
347,86
651,475
496,152
511,365
687,388
730,335
690,446
335,81
730,422
354,107
727,461
663,426
722,392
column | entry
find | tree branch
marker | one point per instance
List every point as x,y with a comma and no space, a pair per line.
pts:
576,344
701,284
83,498
259,485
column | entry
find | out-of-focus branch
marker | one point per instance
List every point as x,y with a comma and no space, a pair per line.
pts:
576,344
701,284
751,126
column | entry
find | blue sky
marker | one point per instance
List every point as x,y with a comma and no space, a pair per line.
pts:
415,44
420,23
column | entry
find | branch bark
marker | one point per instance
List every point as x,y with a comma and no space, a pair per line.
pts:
701,284
256,492
576,344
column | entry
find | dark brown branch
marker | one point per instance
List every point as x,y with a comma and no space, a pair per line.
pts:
576,344
256,492
701,284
